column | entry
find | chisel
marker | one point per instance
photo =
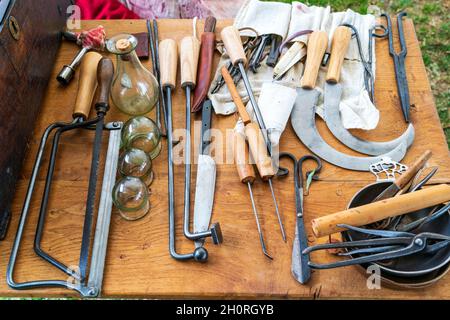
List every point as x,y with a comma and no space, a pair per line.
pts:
258,148
247,176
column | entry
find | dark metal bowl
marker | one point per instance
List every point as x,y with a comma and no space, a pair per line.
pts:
418,265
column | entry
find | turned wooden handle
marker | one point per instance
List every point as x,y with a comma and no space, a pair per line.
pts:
317,44
241,158
339,46
258,150
189,51
105,73
403,179
233,44
168,55
86,85
235,95
377,211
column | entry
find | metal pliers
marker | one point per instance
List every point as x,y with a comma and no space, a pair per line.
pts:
399,62
388,245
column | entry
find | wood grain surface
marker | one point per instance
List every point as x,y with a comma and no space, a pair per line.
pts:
138,262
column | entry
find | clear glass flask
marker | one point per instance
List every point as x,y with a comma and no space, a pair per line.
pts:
134,89
142,133
130,196
136,163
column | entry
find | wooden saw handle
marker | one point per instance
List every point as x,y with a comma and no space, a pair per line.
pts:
233,44
105,73
258,149
242,158
168,56
235,95
189,51
380,210
402,180
339,47
86,85
317,44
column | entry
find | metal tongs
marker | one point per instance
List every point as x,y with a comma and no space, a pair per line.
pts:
387,245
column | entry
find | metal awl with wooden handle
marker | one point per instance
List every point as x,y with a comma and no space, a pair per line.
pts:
258,148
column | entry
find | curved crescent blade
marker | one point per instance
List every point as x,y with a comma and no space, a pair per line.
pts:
304,124
332,118
204,194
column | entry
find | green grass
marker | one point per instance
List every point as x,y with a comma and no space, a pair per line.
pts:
433,31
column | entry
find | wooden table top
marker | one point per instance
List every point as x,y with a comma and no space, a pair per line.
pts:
138,262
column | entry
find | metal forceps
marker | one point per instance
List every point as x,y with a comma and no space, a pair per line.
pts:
387,245
300,261
399,62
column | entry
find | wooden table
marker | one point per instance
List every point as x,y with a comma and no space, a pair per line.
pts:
138,261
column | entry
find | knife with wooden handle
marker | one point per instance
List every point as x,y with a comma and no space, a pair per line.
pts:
401,181
207,46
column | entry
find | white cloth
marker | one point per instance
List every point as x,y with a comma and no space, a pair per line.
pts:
357,111
276,102
264,16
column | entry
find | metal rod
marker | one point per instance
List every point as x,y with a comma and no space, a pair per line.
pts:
155,72
280,222
255,106
200,253
262,125
255,212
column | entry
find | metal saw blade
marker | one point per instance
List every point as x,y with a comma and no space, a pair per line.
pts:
332,117
304,124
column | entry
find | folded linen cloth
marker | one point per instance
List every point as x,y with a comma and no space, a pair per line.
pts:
357,111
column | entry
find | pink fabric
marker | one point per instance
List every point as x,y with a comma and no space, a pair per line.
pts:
187,9
92,39
104,9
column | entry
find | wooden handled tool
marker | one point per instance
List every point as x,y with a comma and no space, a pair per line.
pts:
253,133
189,51
105,72
235,95
242,160
87,84
339,47
168,56
317,44
377,211
247,176
232,41
407,176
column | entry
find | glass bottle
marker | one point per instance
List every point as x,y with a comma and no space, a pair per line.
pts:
142,133
136,163
131,198
134,89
